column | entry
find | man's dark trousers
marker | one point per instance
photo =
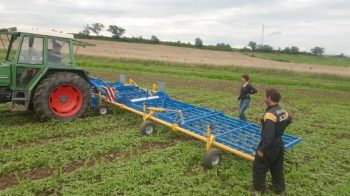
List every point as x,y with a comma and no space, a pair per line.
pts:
273,161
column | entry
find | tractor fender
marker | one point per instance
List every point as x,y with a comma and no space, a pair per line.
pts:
51,70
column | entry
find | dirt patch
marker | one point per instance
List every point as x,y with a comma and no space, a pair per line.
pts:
193,56
307,159
37,173
182,138
343,136
72,166
9,180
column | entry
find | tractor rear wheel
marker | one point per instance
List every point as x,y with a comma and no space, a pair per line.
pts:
62,95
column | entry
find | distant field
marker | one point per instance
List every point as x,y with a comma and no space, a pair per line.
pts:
106,155
198,56
301,58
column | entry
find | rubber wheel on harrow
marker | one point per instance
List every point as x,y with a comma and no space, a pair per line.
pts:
147,128
212,158
62,95
102,110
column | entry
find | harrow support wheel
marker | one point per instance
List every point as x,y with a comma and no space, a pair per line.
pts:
147,128
212,158
102,110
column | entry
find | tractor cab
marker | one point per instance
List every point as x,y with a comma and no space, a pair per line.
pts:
30,56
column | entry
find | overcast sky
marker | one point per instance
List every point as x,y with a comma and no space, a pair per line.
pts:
303,23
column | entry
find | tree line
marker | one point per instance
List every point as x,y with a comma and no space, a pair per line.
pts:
118,32
291,50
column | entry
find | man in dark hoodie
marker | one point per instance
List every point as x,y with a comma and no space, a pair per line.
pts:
270,151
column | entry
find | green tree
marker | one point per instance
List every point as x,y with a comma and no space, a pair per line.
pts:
116,31
286,49
294,49
252,45
317,50
97,28
85,31
198,42
154,39
264,48
223,46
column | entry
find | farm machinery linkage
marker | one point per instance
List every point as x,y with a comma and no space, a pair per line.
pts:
39,74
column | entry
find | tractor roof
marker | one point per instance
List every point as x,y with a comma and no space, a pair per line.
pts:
53,33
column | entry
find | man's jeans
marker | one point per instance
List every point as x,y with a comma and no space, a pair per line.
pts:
244,104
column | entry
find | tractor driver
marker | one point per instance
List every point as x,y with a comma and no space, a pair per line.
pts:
54,55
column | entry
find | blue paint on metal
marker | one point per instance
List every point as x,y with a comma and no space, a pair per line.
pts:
240,135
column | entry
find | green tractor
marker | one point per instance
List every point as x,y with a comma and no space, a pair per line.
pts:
39,74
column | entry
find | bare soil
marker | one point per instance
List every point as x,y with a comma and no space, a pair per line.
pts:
191,55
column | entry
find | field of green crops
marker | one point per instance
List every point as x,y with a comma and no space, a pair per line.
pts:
106,155
302,58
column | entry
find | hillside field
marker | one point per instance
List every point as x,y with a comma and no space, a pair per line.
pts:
302,58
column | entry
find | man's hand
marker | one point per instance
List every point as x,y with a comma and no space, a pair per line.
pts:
260,154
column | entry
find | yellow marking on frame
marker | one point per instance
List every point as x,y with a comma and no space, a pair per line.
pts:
156,109
154,87
144,112
174,127
131,81
100,97
210,138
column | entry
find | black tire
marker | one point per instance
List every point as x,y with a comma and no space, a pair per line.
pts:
102,110
212,158
42,96
5,95
147,128
4,99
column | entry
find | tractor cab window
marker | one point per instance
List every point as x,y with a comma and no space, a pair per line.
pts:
31,50
58,52
12,47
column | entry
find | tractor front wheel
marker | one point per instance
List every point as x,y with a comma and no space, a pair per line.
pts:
62,95
5,95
